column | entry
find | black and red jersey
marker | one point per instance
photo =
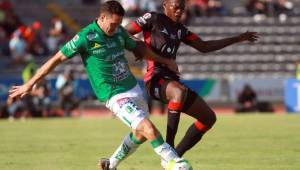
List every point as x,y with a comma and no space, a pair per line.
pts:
164,37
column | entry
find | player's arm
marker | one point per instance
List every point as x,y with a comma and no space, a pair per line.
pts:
212,45
142,23
143,52
20,91
133,28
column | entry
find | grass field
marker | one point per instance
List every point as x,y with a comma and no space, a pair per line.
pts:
237,142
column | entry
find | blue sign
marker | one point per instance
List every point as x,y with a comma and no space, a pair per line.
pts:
292,95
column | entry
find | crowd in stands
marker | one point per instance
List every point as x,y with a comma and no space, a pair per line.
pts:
261,9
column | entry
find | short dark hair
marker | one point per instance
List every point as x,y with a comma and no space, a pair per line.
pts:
112,7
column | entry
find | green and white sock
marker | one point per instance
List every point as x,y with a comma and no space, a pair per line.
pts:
164,150
127,147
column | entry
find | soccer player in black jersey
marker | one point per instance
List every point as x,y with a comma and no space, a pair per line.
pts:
163,33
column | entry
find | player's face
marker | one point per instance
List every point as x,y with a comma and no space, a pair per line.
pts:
110,23
174,9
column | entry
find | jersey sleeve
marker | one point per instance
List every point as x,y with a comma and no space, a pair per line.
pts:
75,46
189,36
145,22
129,42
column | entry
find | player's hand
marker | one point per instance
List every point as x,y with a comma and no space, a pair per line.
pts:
248,36
19,91
172,65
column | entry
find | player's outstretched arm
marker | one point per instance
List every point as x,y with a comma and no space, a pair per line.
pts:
143,52
20,91
213,45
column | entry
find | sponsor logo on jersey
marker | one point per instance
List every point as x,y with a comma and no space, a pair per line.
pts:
96,45
122,101
91,36
116,55
111,45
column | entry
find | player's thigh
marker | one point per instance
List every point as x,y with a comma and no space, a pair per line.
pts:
200,110
131,110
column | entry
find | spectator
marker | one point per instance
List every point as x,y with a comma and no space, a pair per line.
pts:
4,41
216,8
256,7
29,70
247,100
282,8
41,99
16,108
65,86
197,7
35,39
56,34
18,47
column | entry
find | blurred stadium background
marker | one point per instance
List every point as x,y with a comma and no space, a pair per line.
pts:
32,30
219,77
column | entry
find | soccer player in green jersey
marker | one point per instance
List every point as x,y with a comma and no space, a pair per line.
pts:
101,46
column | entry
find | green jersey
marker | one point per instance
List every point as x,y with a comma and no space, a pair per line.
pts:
104,59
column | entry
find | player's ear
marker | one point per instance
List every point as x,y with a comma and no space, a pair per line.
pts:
164,4
102,17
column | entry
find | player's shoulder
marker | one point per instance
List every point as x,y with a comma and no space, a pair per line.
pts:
89,32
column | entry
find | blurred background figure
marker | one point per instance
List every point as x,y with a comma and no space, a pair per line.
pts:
131,7
148,5
56,35
247,100
18,47
65,87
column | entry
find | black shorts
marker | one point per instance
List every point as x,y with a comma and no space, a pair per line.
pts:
156,88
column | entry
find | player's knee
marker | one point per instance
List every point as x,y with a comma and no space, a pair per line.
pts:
178,94
212,119
147,128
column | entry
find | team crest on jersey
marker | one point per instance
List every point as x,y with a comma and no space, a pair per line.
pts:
91,36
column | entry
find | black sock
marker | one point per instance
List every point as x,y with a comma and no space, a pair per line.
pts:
172,126
192,136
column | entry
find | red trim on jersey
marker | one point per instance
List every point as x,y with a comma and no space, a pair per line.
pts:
191,37
150,63
201,127
174,106
136,26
